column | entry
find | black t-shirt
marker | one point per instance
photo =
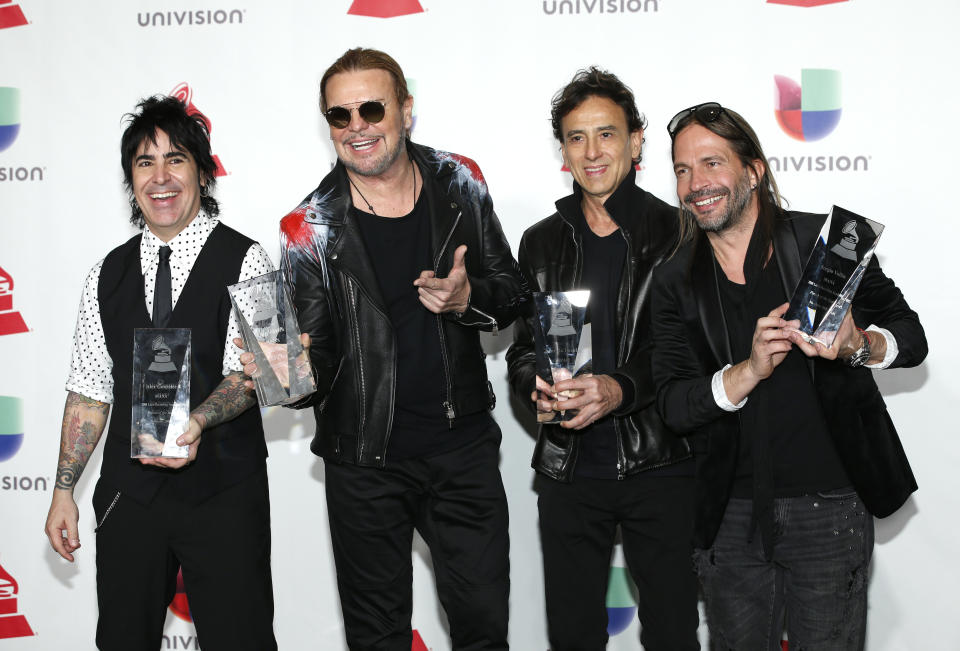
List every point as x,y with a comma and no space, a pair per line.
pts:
603,261
803,457
399,249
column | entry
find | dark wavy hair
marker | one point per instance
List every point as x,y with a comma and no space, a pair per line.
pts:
741,137
186,131
594,82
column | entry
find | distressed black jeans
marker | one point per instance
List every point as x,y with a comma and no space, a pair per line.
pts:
815,584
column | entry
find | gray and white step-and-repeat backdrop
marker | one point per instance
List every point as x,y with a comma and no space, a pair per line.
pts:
854,101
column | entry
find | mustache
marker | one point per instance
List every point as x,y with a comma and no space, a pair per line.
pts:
704,193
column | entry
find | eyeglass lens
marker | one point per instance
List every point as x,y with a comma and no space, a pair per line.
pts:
339,116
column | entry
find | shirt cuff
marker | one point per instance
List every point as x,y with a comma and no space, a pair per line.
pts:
101,395
892,350
720,394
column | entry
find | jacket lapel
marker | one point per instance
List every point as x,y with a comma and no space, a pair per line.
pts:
706,290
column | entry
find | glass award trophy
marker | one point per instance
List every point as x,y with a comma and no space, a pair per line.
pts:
160,403
563,342
832,274
269,327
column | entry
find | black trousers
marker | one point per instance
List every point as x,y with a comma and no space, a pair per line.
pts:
223,546
457,503
578,523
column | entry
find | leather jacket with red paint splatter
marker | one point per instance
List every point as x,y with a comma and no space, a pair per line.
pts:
353,349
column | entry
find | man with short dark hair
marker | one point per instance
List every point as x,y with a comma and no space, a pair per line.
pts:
208,514
396,262
795,450
615,463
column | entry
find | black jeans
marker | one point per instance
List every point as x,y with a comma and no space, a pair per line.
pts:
223,546
578,523
457,503
816,582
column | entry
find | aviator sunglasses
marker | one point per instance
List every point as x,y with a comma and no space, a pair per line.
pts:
706,113
371,111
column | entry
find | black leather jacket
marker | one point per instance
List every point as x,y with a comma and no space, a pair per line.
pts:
550,260
338,302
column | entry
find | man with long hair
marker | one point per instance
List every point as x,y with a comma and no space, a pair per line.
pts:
795,450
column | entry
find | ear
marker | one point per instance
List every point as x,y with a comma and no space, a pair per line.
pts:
636,143
756,169
408,112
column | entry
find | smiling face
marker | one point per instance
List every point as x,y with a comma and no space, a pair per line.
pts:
166,185
712,184
598,147
364,148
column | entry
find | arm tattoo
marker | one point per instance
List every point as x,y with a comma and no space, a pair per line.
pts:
83,423
230,399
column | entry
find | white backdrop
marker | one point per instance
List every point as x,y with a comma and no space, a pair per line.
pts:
483,74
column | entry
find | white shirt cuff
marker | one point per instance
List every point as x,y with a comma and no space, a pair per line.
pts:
720,394
892,350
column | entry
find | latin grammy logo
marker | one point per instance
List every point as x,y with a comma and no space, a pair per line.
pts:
183,93
11,15
385,8
11,623
11,322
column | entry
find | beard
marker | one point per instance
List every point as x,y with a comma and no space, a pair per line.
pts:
380,165
733,215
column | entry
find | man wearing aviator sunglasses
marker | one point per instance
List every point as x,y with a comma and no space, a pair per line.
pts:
396,262
795,450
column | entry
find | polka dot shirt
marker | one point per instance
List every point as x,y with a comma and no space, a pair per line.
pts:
90,365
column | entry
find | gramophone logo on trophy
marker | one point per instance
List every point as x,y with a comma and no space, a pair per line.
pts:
832,274
269,327
160,410
12,624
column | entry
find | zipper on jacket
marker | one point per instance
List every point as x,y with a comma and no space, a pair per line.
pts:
107,512
621,455
352,294
448,403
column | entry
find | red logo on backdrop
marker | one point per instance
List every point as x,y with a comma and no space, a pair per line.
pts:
804,3
179,605
11,623
385,8
11,322
418,644
11,15
183,93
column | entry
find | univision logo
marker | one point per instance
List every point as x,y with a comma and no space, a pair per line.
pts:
809,110
385,8
804,3
621,601
11,15
11,426
9,116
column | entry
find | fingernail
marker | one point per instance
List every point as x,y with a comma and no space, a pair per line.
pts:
180,441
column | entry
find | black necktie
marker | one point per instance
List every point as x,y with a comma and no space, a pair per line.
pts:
162,300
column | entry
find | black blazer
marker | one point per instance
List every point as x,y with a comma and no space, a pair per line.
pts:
691,343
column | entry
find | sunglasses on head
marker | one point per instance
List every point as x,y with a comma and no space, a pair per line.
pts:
371,111
706,113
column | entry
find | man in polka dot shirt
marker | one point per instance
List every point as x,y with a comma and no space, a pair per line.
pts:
159,514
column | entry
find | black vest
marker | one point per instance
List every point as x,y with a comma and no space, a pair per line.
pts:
228,452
